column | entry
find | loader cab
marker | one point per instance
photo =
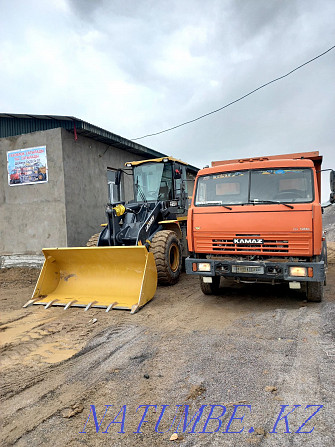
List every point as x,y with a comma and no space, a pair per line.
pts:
163,180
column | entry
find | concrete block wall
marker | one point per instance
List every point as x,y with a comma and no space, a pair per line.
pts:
70,207
33,216
85,164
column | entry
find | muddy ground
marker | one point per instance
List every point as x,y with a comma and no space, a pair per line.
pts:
254,345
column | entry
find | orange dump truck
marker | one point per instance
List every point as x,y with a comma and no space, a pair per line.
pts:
259,220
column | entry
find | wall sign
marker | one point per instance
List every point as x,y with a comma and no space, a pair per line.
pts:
27,166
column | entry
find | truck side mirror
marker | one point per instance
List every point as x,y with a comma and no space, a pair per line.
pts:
332,187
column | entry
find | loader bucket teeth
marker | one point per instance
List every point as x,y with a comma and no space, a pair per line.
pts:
50,303
111,306
99,277
69,304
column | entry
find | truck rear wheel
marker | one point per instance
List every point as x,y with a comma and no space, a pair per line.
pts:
314,291
166,249
210,288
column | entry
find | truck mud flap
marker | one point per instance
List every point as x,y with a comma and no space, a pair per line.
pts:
102,277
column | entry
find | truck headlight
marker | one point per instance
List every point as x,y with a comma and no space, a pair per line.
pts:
204,267
298,271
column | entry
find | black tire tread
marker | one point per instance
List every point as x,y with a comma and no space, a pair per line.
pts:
158,248
210,288
314,292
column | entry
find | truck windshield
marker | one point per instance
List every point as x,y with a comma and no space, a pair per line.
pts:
153,181
287,185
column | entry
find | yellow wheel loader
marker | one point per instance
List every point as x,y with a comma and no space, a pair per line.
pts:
143,241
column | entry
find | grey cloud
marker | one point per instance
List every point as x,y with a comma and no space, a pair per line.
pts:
185,58
86,9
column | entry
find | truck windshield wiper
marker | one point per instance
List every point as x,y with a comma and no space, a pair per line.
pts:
213,203
271,201
216,202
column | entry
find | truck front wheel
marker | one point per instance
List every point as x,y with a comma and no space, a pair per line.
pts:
314,291
210,288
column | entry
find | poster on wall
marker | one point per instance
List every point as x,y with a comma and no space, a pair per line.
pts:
27,166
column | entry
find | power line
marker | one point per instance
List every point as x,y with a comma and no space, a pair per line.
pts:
236,100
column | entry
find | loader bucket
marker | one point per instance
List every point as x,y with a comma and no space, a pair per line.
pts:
105,277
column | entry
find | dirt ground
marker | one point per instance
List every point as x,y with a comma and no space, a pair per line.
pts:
251,350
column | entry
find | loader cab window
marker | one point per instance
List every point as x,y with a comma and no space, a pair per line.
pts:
165,188
153,181
115,191
180,183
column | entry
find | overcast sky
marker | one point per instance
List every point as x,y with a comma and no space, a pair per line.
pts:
135,67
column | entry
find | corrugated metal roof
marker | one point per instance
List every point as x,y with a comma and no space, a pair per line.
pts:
19,124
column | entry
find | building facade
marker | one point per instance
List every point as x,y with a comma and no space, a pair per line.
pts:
60,200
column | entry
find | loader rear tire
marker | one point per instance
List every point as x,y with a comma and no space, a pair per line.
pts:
166,249
210,288
93,240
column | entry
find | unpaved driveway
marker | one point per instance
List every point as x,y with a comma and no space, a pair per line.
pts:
258,346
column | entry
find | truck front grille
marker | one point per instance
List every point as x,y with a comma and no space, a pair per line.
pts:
278,246
293,245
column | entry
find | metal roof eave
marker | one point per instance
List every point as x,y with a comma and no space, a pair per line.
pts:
97,133
32,123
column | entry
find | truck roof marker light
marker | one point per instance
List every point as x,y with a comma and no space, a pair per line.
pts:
243,160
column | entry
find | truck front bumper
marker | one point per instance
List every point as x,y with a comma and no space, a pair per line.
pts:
260,270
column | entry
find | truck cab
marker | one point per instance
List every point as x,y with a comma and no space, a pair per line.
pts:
259,220
15,175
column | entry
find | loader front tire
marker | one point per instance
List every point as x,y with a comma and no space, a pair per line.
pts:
166,249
